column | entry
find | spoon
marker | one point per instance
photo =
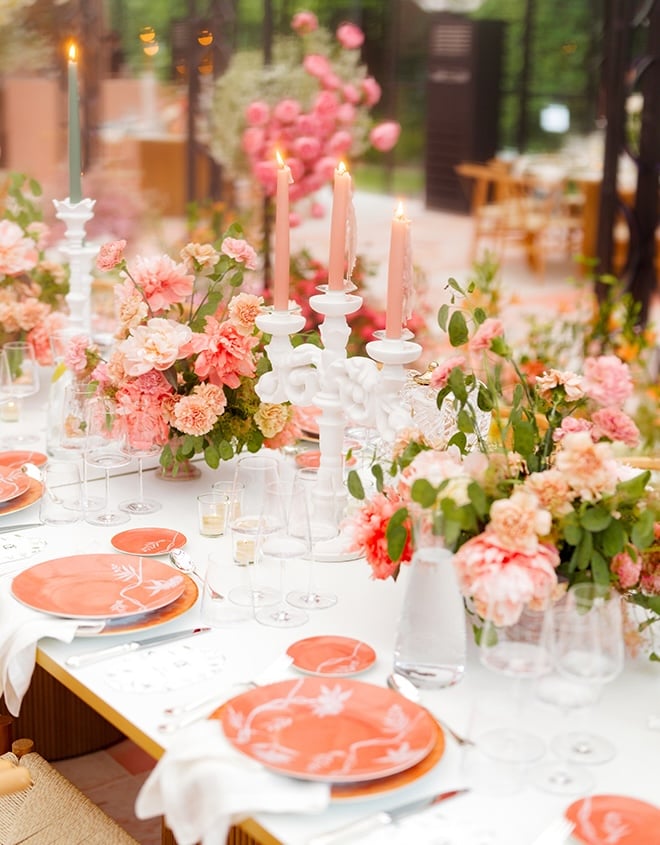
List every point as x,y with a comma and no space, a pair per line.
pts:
185,563
401,684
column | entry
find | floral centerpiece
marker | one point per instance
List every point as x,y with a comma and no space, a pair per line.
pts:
313,105
542,501
32,286
187,354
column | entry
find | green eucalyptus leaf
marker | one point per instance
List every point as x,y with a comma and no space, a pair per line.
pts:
355,486
479,315
423,492
443,316
396,534
458,330
377,472
484,399
465,421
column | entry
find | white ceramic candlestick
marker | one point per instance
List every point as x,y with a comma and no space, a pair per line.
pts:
357,390
79,255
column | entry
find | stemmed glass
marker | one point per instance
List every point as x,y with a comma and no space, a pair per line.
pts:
318,522
588,650
20,378
74,433
103,449
520,651
136,443
255,473
279,539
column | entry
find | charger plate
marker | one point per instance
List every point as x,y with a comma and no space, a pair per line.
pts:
98,586
18,457
342,731
614,818
33,493
13,482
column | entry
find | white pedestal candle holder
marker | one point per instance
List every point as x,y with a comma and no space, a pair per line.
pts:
357,391
79,255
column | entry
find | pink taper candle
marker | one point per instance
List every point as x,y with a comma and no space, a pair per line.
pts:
340,200
396,271
282,242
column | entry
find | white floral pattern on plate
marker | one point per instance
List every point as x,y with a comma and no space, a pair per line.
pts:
148,541
98,586
13,483
331,655
614,819
344,732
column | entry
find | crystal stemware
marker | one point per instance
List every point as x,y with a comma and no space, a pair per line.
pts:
20,378
316,523
588,650
103,450
137,443
74,434
520,651
281,541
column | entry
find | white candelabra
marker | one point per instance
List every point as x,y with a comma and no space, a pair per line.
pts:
357,390
80,255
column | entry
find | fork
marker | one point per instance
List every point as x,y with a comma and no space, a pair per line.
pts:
556,833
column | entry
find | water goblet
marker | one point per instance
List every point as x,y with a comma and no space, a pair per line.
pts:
317,522
74,434
280,540
19,378
103,450
137,443
588,650
520,651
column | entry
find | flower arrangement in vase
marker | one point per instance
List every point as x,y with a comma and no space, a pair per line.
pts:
541,501
313,104
187,354
32,287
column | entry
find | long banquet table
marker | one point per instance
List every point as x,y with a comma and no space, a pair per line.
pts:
501,803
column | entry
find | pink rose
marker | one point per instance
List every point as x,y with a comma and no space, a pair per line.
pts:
307,147
346,113
257,113
384,136
351,94
350,36
340,142
286,111
304,23
241,251
371,90
316,65
330,81
317,210
326,104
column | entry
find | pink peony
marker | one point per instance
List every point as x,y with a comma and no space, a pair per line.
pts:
384,136
110,255
18,254
241,251
350,36
607,380
486,334
502,581
162,282
304,23
224,353
614,424
154,346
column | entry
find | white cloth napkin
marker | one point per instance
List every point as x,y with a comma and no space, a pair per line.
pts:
20,630
202,786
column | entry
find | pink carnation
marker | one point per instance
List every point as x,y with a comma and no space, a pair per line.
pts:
626,569
368,534
110,255
350,36
607,380
241,251
192,415
304,23
486,334
569,425
614,424
441,373
75,355
384,136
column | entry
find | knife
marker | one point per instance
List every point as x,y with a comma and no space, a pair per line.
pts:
20,527
78,660
351,832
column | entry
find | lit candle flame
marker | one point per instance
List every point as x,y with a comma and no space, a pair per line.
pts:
400,214
280,160
72,52
341,167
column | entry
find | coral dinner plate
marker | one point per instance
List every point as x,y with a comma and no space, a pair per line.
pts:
148,541
98,586
614,818
32,494
18,458
342,731
13,483
337,656
144,621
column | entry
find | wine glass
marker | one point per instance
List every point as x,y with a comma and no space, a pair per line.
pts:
279,539
74,434
103,450
318,522
20,378
588,650
137,443
255,473
520,651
